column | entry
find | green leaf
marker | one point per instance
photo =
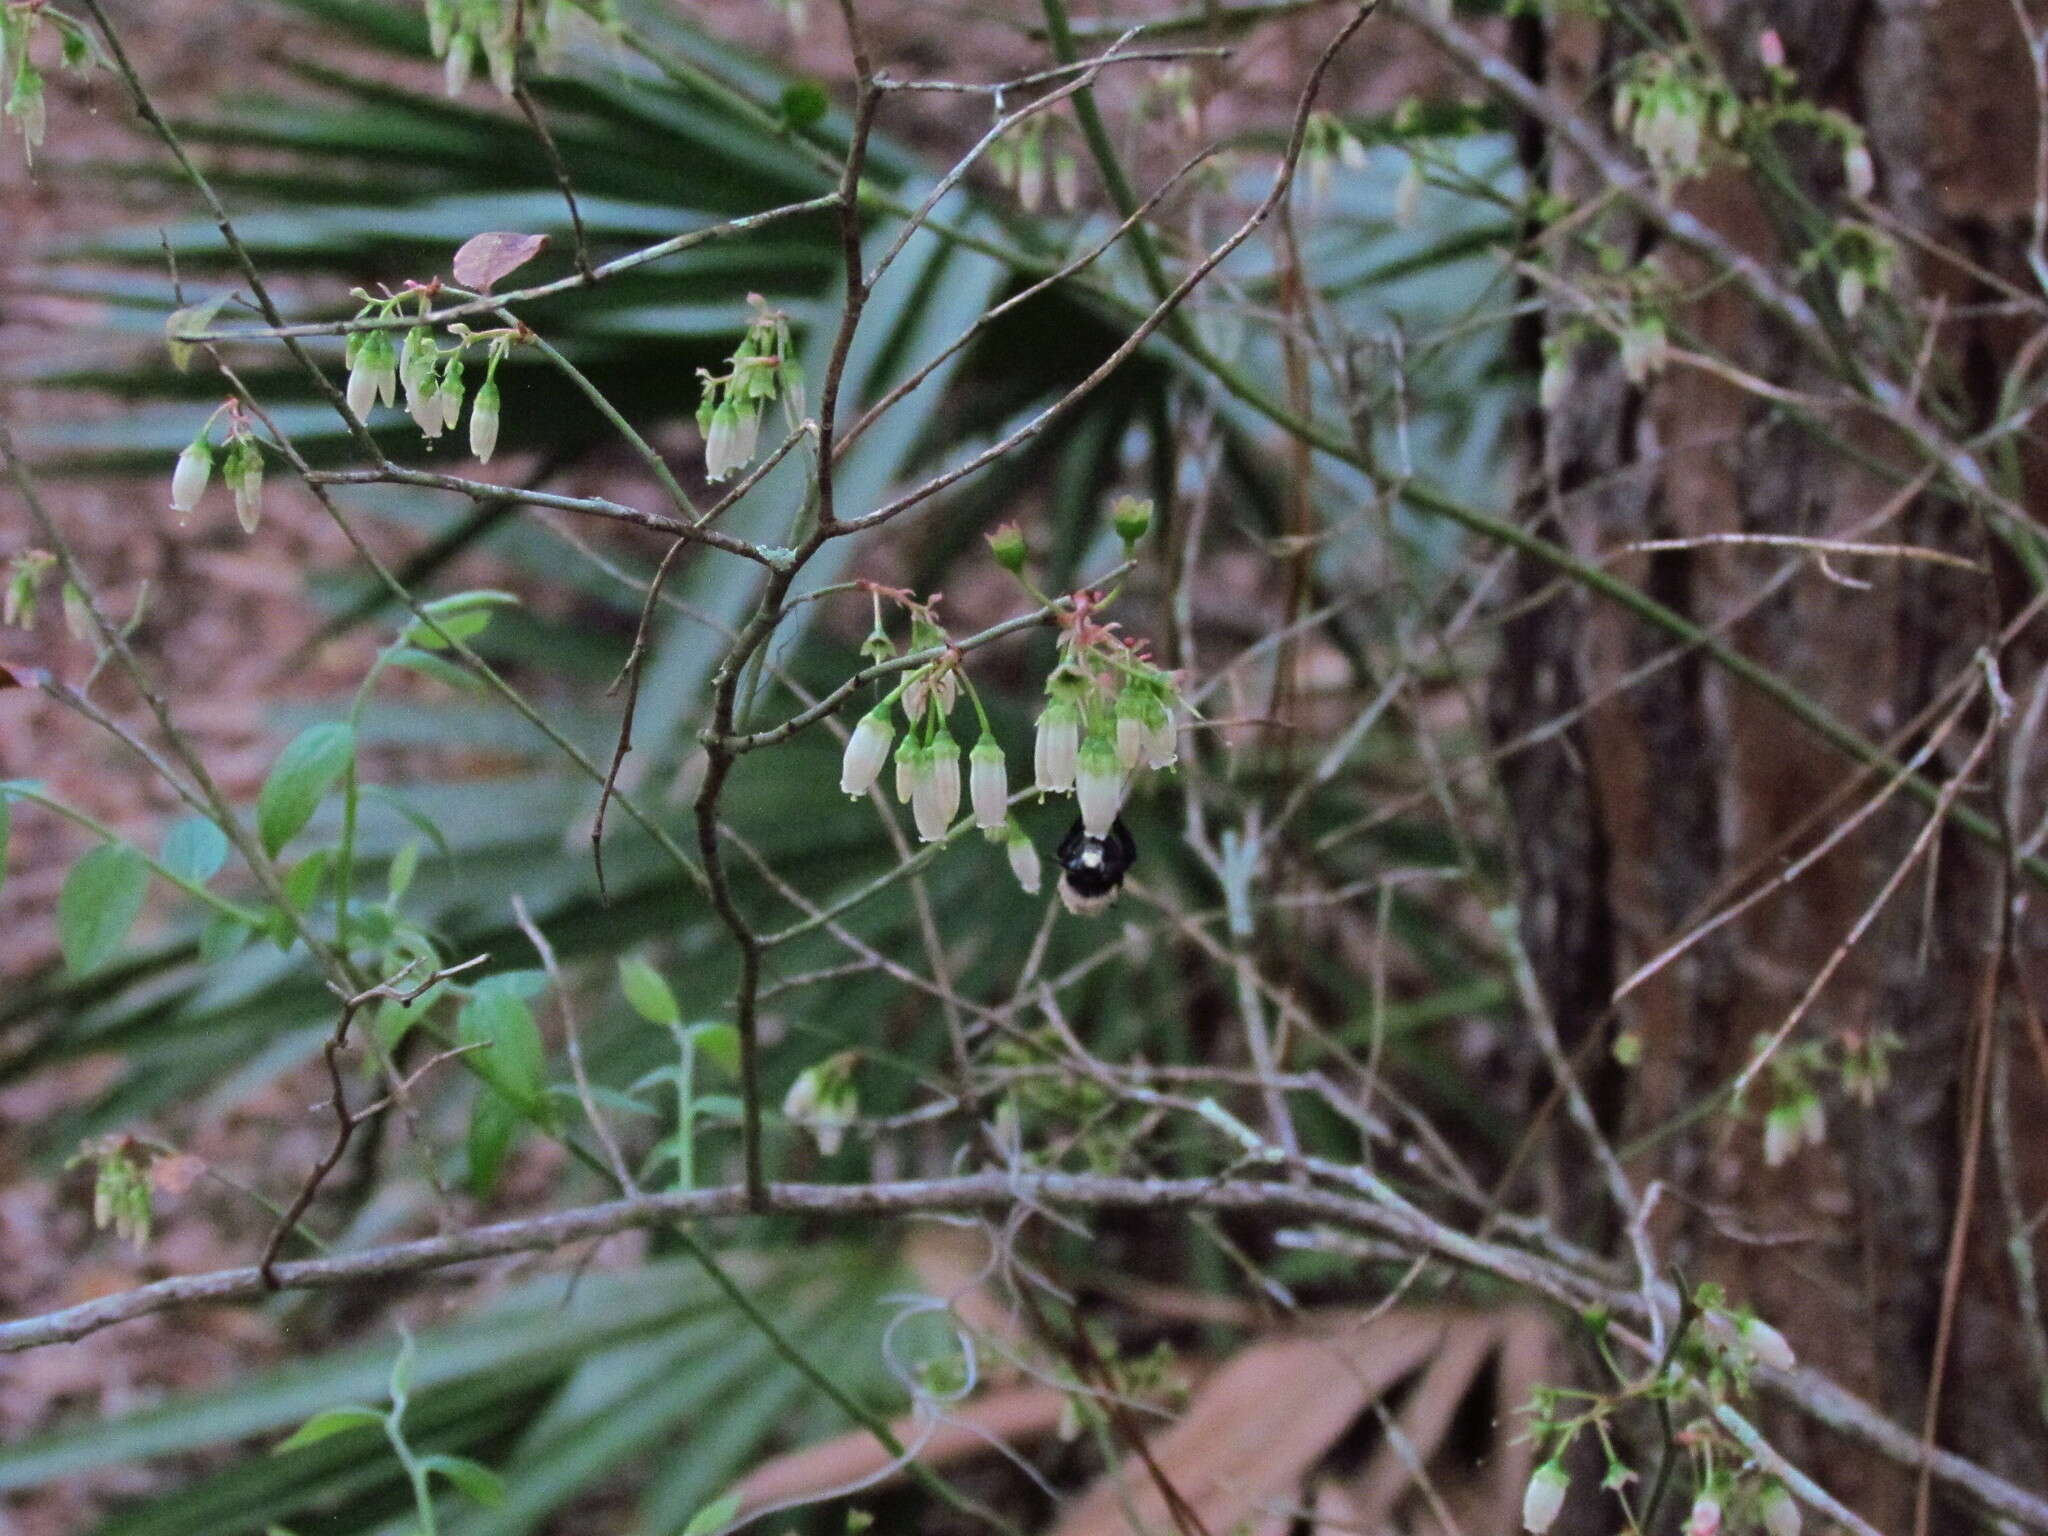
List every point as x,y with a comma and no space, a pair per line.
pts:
304,772
101,898
714,1516
439,668
513,1059
647,992
720,1042
222,937
194,849
404,864
326,1425
494,1122
804,103
459,615
194,317
303,884
472,1477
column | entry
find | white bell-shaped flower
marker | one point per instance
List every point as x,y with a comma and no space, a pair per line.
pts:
1099,784
1056,751
866,750
988,783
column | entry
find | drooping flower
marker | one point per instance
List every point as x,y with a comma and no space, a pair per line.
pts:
188,480
1705,1518
866,749
1055,754
362,374
1783,1133
1767,1344
244,475
1023,859
910,771
1543,1500
483,422
451,394
988,783
1099,783
1859,170
935,799
426,409
1130,728
823,1101
1779,1511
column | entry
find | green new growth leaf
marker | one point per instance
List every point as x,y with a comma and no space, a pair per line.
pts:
804,103
326,1425
303,774
720,1042
194,849
101,898
439,668
194,317
647,992
456,617
513,1059
404,864
713,1517
494,1123
472,1477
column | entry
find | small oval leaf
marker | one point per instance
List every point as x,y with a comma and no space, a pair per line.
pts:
195,849
326,1425
489,256
304,772
101,898
647,992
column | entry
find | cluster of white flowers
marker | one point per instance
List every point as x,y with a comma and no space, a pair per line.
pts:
462,31
1672,108
1326,144
241,468
21,79
1022,164
1109,712
761,370
429,375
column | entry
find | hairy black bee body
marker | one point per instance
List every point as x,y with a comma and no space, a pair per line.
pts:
1092,869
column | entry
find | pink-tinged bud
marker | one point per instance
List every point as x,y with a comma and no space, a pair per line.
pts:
1058,747
1705,1518
1770,49
935,799
1023,859
866,750
1099,784
1779,1511
188,480
988,784
1544,1498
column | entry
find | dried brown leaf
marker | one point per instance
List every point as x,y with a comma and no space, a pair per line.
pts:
489,256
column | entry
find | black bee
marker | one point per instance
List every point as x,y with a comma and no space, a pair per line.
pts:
1093,868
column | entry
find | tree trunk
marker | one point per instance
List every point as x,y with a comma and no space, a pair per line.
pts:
1679,791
